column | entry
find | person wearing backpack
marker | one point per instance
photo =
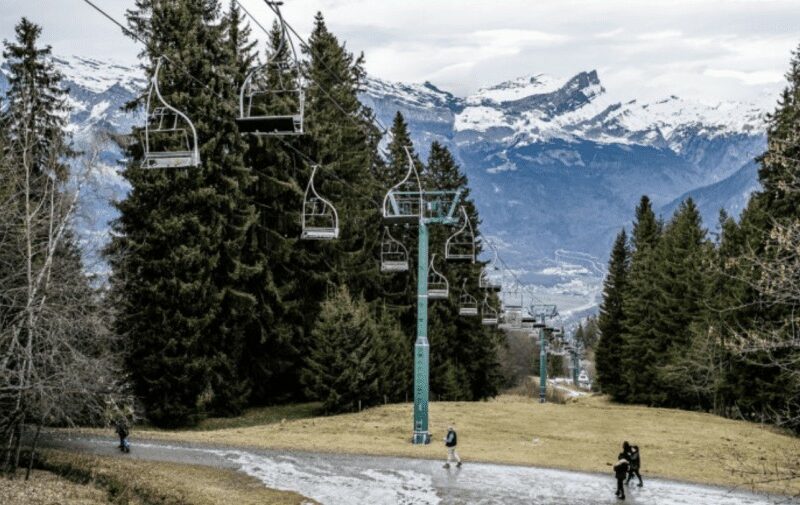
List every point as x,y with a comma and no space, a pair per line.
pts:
451,441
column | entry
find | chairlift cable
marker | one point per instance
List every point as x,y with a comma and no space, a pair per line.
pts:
307,46
129,33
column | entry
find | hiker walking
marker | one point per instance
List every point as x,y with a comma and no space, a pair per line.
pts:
450,441
635,459
620,472
122,431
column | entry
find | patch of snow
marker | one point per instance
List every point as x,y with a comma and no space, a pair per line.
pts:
508,166
516,89
480,118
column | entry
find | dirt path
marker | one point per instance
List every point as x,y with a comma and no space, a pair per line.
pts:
334,479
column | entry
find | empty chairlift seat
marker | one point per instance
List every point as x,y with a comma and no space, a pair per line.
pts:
467,304
460,246
272,97
403,203
394,255
169,137
438,286
488,313
320,221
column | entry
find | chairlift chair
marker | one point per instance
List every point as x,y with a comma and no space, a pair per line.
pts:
460,246
272,97
527,321
467,304
438,286
513,299
488,313
403,203
486,281
320,221
170,138
394,255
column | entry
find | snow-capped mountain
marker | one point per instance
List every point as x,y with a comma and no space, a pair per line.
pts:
559,163
556,165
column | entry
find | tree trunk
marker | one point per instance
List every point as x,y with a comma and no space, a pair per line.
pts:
33,450
17,447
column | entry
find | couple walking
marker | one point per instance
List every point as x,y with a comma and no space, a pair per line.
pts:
628,463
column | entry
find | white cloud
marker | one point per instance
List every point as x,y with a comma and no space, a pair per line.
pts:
749,78
661,35
609,34
518,38
643,49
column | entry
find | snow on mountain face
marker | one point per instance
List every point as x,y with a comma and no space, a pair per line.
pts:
542,108
510,91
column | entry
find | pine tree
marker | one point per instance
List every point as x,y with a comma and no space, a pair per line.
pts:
612,318
179,274
640,336
343,371
36,112
683,260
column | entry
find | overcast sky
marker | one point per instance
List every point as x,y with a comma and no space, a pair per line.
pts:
706,49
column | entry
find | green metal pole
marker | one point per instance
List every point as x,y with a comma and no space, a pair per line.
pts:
421,347
542,365
576,364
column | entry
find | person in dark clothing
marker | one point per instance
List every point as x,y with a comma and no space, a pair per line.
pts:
635,459
620,472
122,431
450,441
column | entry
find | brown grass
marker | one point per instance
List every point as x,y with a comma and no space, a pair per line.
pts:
584,434
45,488
136,482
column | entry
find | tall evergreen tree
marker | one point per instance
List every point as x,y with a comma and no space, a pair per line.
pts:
36,113
640,336
683,260
179,274
610,347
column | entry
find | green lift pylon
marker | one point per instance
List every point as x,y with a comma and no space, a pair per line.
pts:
542,312
407,203
576,361
439,209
